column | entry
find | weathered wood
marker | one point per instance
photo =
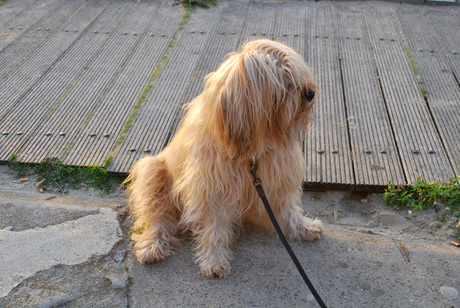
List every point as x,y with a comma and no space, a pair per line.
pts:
27,97
122,28
12,9
371,124
327,146
446,23
260,21
17,26
21,49
375,155
437,79
290,26
111,114
152,128
413,126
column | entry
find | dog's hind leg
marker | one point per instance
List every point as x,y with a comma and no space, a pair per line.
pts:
156,216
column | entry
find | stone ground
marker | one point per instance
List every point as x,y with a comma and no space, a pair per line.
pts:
74,251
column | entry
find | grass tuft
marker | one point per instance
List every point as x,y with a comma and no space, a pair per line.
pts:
184,20
424,92
108,161
411,61
423,195
192,4
57,175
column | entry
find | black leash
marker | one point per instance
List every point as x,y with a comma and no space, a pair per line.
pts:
258,185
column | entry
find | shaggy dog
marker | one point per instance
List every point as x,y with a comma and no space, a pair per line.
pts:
255,107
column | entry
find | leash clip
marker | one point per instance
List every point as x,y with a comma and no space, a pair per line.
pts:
253,170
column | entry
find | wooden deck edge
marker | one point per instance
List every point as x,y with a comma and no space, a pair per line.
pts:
343,187
417,2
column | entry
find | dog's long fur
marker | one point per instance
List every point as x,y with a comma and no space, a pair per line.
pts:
253,107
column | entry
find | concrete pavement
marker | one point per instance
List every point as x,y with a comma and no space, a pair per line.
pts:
80,256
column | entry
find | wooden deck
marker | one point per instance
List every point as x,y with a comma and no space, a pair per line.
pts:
103,82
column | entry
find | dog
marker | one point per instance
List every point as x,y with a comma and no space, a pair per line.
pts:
254,107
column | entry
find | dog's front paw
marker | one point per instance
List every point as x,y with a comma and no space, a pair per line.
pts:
220,270
311,229
152,251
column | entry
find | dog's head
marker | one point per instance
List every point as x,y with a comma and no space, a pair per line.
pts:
259,98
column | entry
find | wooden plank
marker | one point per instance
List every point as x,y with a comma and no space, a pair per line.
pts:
127,23
112,112
327,150
20,82
436,78
11,9
26,45
27,104
414,130
20,24
152,127
446,24
376,159
261,21
290,26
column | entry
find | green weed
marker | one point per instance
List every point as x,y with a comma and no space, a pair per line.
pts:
194,3
411,61
108,161
423,195
316,197
22,170
184,19
57,175
424,92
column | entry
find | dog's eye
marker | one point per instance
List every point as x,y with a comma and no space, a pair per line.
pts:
308,94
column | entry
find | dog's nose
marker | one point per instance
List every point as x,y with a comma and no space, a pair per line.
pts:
309,94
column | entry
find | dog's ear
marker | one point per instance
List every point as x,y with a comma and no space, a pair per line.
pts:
237,117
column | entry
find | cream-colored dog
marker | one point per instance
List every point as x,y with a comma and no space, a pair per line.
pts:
255,106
